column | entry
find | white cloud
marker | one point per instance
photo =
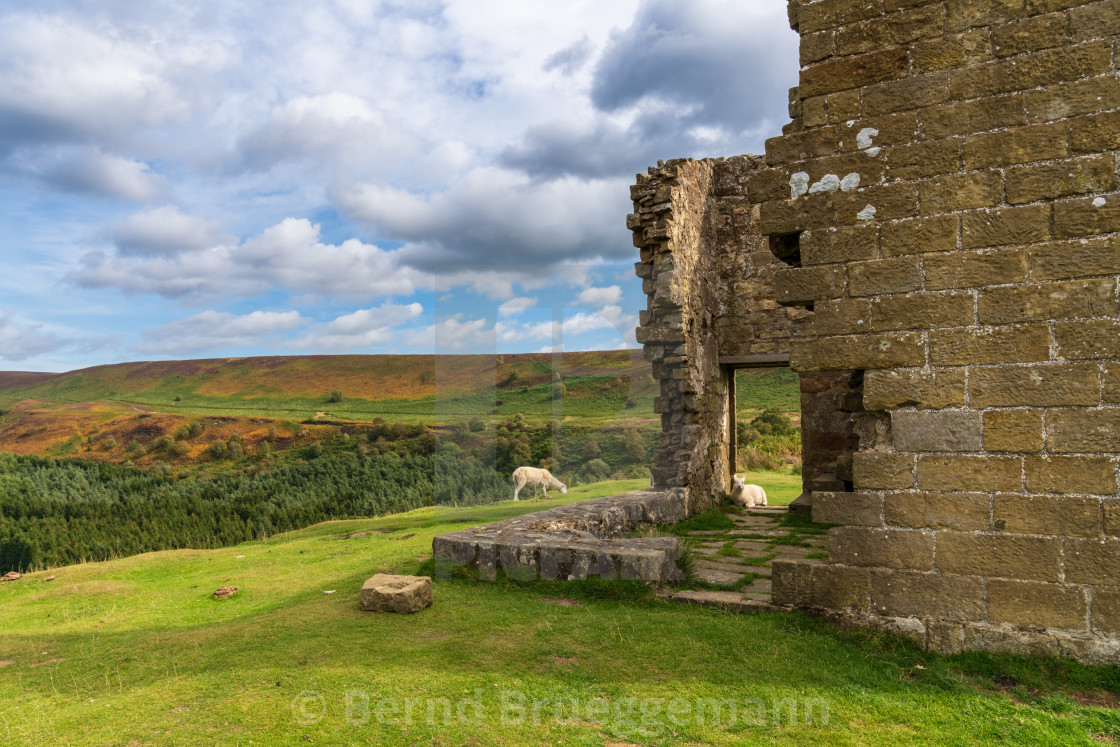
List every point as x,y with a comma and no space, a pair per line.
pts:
20,340
289,254
337,126
216,330
359,329
65,76
88,170
600,296
164,231
516,306
497,219
452,335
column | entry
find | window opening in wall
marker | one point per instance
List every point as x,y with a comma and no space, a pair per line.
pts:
787,248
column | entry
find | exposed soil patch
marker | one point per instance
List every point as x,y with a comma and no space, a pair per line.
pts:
1098,699
561,601
56,660
225,592
6,662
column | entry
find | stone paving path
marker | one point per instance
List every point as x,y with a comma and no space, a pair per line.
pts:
733,564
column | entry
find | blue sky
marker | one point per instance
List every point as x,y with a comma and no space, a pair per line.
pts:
214,179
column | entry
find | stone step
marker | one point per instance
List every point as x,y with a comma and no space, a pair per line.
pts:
725,600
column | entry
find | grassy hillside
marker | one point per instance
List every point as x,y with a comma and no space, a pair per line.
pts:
136,651
401,387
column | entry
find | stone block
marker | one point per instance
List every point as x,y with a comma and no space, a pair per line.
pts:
939,595
875,277
1013,430
841,317
925,159
829,14
1086,216
1072,98
882,471
1095,133
843,244
1037,604
887,548
1083,431
1028,343
930,389
1071,177
923,311
1058,260
807,284
937,431
1060,385
1019,145
966,117
999,555
970,473
932,510
1092,561
1031,34
1095,20
1032,70
852,72
838,587
855,352
950,51
1034,303
1047,514
1088,340
1052,473
1003,226
1105,616
975,269
388,593
920,235
953,192
858,509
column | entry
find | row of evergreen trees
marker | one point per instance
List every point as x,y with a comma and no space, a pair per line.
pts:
59,512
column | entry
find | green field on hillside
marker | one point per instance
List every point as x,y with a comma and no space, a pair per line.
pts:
137,652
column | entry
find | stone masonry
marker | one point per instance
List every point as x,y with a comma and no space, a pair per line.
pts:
935,241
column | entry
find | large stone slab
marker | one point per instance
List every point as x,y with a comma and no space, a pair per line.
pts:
385,592
577,541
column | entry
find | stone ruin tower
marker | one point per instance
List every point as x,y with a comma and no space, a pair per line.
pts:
933,243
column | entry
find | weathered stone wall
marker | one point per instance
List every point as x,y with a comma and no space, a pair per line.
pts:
709,278
946,202
950,176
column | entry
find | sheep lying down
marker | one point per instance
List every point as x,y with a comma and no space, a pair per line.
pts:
746,495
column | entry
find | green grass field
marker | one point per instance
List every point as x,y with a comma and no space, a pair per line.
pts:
136,652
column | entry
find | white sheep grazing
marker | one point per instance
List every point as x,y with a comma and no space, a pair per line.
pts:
535,478
747,495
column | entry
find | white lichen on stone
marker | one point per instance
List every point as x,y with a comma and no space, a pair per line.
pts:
828,183
798,185
1099,202
873,151
849,182
863,139
867,213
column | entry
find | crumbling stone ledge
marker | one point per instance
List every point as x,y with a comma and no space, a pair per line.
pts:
577,541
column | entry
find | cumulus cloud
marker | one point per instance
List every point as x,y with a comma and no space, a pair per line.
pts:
87,170
216,330
516,306
452,334
289,254
571,58
360,329
20,340
164,231
69,77
337,126
497,219
600,296
683,79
